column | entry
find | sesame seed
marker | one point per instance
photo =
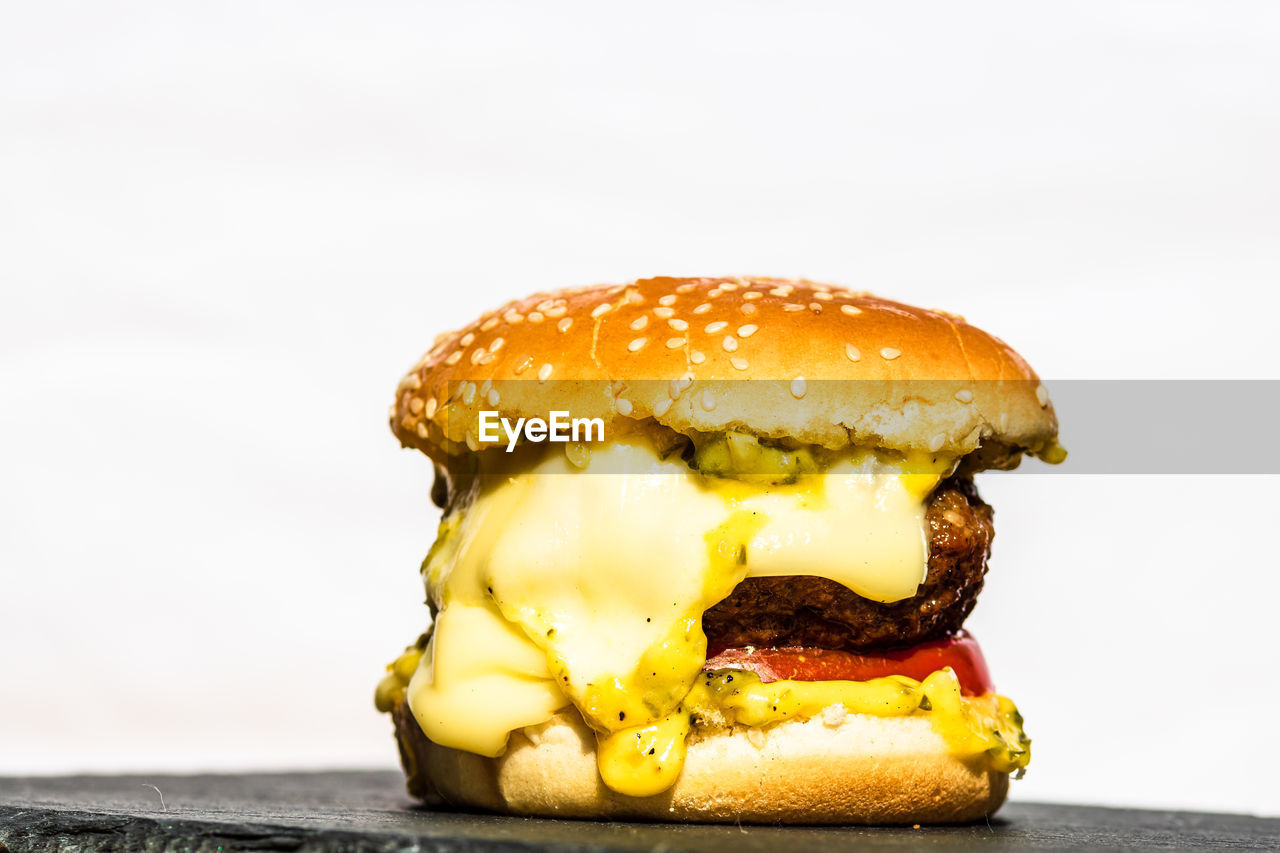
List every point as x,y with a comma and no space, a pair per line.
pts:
678,324
791,306
714,292
739,363
676,387
684,288
852,351
623,406
703,308
489,324
513,317
556,311
545,304
815,307
479,356
467,340
535,317
410,382
492,397
468,392
485,386
640,322
496,344
935,443
669,299
674,343
415,405
634,297
716,327
664,312
964,395
1042,396
889,353
544,372
797,387
851,310
636,344
524,364
472,444
430,410
780,292
697,356
730,343
729,286
823,295
708,401
600,310
453,357
747,330
564,324
1004,421
748,308
752,295
422,430
660,408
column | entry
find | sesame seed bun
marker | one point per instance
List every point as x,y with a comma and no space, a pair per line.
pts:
928,380
861,769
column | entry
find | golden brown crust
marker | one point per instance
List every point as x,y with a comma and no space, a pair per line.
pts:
863,770
932,381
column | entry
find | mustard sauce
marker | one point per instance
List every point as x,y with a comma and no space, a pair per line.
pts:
646,759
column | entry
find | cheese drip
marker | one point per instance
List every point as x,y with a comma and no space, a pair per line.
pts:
648,758
646,761
557,585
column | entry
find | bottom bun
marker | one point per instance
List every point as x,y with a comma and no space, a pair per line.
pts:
861,769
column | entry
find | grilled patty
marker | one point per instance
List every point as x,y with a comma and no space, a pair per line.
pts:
816,612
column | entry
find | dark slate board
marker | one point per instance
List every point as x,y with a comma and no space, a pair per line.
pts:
369,812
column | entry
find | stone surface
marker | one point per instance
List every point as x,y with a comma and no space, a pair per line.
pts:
369,812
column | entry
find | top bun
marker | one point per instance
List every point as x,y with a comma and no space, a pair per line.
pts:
910,378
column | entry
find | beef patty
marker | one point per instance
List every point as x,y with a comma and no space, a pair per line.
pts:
816,612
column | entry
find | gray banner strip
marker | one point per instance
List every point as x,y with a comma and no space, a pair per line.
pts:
1167,427
1126,427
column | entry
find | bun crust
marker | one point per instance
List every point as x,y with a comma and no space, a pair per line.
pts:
866,770
930,381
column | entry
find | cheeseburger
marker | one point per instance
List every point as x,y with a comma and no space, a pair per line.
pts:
707,550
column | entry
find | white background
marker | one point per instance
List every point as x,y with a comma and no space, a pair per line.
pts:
226,230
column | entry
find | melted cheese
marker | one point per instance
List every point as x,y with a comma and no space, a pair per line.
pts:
644,760
558,585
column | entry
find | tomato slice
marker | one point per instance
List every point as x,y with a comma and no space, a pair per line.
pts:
960,652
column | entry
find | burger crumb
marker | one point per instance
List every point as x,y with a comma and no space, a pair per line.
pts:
756,737
834,716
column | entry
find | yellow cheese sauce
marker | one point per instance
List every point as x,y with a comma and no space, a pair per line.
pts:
391,689
583,581
646,759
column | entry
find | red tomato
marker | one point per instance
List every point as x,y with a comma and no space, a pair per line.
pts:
960,652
